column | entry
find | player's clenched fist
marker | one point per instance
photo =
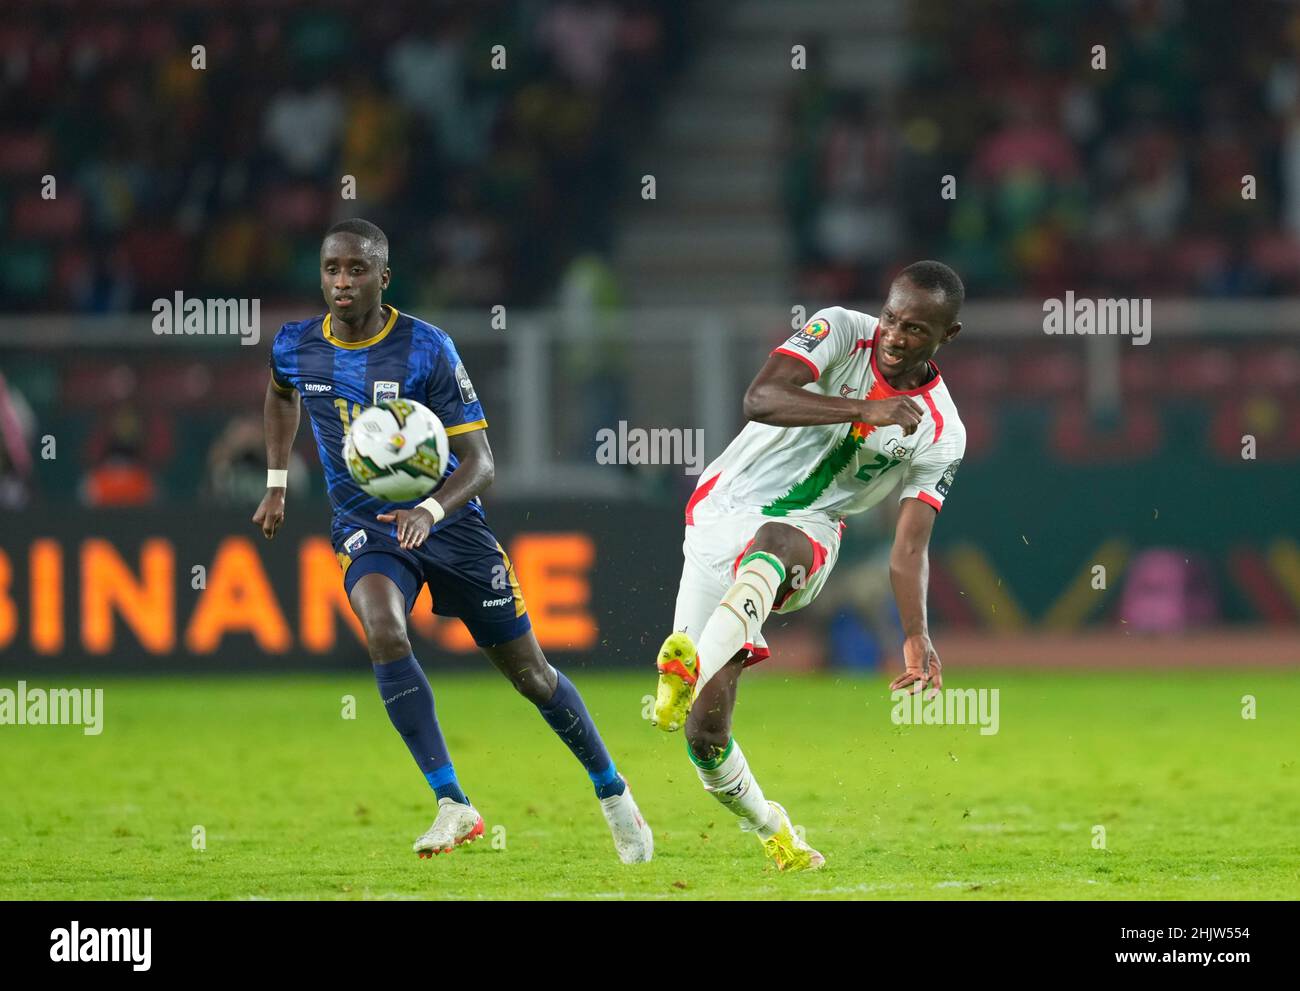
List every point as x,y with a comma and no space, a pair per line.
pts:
897,409
270,514
412,525
922,666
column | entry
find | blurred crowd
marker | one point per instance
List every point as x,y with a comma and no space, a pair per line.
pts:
1122,180
486,139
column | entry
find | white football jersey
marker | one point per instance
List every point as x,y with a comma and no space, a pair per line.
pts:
839,469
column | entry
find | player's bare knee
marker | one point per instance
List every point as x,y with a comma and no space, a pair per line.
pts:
535,683
706,736
783,541
387,642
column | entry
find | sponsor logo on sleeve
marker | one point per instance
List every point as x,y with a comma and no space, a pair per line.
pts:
467,393
813,333
945,483
385,390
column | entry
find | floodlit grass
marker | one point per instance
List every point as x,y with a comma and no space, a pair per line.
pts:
297,802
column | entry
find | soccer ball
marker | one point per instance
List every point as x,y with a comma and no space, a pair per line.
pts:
396,451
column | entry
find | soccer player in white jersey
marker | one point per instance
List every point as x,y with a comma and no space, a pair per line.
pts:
849,408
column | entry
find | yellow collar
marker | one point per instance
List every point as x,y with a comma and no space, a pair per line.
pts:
353,345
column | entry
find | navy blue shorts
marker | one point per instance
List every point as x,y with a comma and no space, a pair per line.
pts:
467,570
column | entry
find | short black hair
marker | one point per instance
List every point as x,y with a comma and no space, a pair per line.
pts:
936,275
364,229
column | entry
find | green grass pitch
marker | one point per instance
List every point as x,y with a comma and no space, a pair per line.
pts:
300,803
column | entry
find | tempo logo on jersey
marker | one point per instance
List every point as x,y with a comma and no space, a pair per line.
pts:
813,333
385,390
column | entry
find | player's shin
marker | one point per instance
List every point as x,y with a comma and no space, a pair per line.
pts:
739,618
566,713
727,778
408,699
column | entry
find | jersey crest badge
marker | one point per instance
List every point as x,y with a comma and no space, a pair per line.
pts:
385,390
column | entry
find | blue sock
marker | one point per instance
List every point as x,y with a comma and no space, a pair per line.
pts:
409,701
566,714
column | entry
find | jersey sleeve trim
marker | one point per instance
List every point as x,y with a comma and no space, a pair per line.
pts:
934,411
464,428
816,372
928,499
284,390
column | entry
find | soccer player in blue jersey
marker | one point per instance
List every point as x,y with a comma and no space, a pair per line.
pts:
359,353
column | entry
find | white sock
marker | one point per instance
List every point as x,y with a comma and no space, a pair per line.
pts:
732,783
740,615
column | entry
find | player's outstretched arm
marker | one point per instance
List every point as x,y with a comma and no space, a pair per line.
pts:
909,573
474,472
777,397
280,414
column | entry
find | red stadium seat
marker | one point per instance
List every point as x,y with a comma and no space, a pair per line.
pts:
177,384
1057,373
159,258
1197,260
973,374
299,207
23,152
1198,370
1276,254
1276,368
37,218
97,382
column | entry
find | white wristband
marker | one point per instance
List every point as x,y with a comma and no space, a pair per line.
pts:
435,510
277,478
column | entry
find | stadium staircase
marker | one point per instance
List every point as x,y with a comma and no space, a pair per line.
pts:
715,233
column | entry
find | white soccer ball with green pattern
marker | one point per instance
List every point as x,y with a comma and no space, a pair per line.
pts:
397,451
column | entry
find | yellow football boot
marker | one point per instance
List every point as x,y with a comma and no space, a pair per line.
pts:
787,849
678,666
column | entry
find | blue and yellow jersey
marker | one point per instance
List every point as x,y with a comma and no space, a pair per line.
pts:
338,379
